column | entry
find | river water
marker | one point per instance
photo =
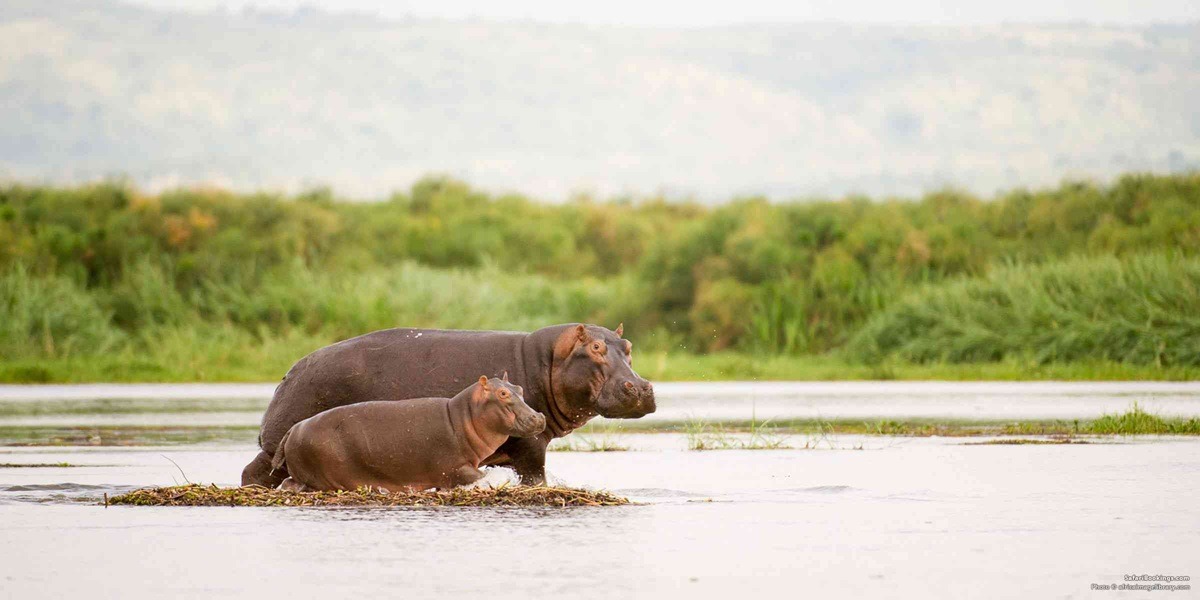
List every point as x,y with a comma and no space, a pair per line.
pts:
858,516
242,404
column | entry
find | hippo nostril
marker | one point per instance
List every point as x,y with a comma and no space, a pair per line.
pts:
629,385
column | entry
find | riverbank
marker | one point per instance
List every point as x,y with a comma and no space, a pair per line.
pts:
269,364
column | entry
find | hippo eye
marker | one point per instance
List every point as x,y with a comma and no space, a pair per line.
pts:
503,394
595,346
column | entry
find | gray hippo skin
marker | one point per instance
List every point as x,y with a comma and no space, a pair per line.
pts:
414,445
570,373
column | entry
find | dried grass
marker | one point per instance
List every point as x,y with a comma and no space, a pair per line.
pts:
212,495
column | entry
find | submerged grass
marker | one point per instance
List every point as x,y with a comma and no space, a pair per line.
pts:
212,495
1027,442
733,434
586,443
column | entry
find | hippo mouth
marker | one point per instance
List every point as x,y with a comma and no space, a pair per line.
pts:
634,413
528,427
630,408
632,401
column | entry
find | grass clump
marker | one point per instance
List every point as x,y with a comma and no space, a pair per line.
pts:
583,443
1143,310
702,435
212,495
1136,421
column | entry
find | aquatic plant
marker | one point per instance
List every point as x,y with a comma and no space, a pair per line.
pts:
212,495
705,435
1137,421
579,442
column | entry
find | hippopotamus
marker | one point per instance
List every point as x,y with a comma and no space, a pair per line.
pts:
570,374
416,445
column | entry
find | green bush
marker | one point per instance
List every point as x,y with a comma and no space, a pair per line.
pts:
1141,310
753,276
50,317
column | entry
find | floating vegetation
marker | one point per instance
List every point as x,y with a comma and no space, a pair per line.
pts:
58,465
212,495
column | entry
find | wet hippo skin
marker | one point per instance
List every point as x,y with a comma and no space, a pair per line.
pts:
570,373
414,445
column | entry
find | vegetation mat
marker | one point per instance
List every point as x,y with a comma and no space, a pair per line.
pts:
212,495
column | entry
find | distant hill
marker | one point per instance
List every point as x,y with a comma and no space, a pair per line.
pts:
367,105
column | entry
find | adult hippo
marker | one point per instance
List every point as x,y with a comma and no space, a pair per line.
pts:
570,374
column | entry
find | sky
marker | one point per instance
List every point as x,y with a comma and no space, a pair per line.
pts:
699,14
876,105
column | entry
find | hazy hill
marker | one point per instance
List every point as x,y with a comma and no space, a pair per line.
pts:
366,105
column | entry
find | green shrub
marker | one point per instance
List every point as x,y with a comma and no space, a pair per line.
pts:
50,316
1143,310
753,276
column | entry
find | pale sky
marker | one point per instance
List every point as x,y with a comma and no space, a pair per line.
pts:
694,14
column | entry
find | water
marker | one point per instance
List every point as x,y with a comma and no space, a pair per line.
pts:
242,404
859,516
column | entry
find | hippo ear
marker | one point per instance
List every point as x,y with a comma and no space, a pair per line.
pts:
483,382
620,330
504,377
569,340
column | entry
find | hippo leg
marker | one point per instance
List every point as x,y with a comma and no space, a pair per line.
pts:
527,457
466,475
258,472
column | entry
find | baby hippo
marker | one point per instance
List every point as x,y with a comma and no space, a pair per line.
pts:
411,444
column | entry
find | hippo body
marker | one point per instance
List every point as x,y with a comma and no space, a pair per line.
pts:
569,373
418,444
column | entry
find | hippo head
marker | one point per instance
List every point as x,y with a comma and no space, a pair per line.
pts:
502,406
593,368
